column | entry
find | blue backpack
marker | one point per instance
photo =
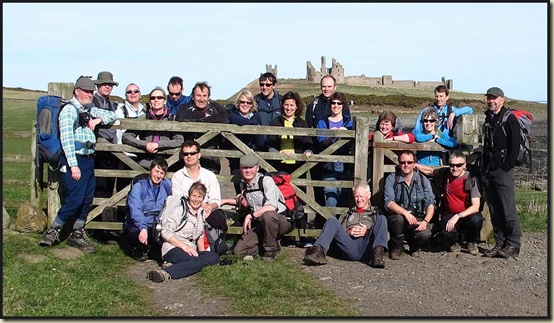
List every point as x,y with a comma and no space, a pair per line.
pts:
48,132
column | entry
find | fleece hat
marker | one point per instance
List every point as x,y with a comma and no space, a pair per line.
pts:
249,160
84,83
495,91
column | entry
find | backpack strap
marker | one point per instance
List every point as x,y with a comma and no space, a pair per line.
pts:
184,218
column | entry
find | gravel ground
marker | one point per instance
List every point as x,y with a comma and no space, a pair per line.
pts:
437,284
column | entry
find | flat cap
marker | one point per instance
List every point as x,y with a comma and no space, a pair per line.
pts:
84,83
495,91
249,160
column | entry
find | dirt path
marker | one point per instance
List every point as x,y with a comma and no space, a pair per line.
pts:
436,284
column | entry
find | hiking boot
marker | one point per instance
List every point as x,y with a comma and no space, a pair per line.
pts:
158,275
493,252
395,253
508,251
50,237
472,248
315,256
455,247
377,261
140,255
77,239
270,255
416,252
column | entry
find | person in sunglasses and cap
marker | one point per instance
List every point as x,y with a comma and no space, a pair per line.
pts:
410,203
77,121
460,204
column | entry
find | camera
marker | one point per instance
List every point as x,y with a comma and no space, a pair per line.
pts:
84,118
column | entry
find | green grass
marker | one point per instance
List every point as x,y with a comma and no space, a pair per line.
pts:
92,285
278,288
532,207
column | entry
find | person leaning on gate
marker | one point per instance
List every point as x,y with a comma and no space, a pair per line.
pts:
359,234
145,201
183,235
460,204
265,223
269,103
77,121
151,141
410,203
499,157
202,109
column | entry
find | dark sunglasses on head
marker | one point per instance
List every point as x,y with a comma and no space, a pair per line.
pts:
192,153
406,162
174,94
245,102
132,91
456,165
336,103
429,120
157,97
266,84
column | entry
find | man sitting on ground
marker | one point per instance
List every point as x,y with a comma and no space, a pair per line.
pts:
357,234
461,200
145,201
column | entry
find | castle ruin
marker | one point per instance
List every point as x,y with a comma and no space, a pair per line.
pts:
337,71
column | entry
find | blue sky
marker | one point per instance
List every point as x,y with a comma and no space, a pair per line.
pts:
228,45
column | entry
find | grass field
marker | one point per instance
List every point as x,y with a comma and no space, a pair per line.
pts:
97,286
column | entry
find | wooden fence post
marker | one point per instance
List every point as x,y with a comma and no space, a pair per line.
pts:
361,146
36,170
65,90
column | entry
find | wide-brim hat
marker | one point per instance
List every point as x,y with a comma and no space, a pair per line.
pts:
105,77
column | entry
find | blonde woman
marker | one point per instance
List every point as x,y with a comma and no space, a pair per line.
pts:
431,132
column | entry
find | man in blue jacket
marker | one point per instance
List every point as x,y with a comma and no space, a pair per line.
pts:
268,101
145,201
175,96
447,120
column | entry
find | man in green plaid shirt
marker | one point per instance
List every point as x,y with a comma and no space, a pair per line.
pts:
77,121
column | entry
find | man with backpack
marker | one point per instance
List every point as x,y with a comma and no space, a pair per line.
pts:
144,203
410,203
77,121
500,152
265,223
359,234
460,204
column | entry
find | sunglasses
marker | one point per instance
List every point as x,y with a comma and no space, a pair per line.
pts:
336,103
429,120
245,102
192,153
174,94
157,97
456,165
266,84
406,162
132,91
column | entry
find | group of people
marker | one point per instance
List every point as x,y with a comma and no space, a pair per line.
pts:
184,214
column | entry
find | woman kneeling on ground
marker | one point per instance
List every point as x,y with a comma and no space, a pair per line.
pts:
183,234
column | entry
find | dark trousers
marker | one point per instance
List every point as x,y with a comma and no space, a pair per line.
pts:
470,225
350,248
398,227
185,265
501,200
78,195
130,235
269,228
